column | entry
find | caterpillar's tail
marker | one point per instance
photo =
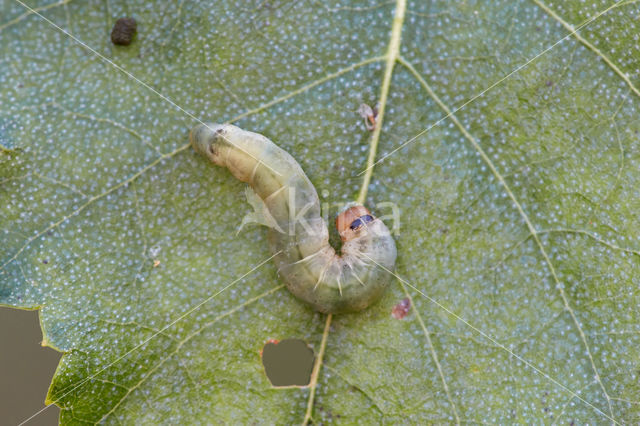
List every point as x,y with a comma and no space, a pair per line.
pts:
203,139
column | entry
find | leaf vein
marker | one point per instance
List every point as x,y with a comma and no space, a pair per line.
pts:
590,45
534,233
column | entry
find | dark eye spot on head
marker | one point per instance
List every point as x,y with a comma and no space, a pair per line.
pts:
212,149
123,31
360,222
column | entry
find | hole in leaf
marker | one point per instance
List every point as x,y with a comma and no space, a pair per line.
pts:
26,368
288,362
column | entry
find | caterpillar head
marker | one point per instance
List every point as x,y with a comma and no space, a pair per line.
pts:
351,222
208,139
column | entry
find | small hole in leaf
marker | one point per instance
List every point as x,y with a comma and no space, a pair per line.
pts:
288,362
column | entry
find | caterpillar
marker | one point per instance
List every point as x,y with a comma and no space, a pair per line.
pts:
285,200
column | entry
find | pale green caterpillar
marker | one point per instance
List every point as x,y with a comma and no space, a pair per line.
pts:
286,201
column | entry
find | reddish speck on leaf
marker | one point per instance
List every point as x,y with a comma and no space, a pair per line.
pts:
401,309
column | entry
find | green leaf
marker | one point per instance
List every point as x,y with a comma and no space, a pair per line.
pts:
509,144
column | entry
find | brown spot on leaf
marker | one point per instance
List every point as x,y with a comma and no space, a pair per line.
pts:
123,31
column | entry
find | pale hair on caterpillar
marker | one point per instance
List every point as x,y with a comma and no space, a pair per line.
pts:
285,200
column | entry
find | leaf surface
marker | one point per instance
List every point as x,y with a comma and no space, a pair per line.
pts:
509,145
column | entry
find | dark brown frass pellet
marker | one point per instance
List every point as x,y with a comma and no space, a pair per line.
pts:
123,31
